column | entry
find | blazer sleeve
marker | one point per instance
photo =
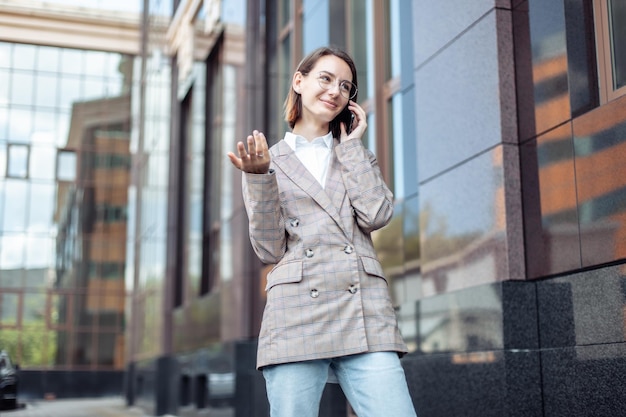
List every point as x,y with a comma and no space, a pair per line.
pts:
369,195
266,223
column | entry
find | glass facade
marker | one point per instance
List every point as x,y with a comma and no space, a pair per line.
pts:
65,130
124,242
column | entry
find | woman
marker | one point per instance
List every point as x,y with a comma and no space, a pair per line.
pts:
312,201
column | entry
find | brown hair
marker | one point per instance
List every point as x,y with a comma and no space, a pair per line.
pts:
293,102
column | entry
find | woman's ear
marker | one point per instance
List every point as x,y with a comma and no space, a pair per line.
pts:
296,82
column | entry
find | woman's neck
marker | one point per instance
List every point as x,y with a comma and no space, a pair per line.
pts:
310,131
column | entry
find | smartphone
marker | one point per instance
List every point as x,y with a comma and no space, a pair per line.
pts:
347,117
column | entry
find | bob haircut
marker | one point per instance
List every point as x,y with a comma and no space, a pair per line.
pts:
293,102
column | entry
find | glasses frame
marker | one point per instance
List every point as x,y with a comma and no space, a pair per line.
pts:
327,85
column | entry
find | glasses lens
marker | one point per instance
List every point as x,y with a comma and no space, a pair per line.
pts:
347,89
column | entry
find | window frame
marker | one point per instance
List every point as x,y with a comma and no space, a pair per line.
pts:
604,53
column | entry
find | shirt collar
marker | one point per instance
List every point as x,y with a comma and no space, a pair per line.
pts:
296,141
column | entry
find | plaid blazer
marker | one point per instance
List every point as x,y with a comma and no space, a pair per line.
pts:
326,295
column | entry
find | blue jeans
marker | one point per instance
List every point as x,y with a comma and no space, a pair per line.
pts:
374,384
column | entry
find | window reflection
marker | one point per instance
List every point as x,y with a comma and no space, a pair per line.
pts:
17,166
20,122
23,56
47,91
66,166
42,163
22,93
617,21
48,59
41,201
63,223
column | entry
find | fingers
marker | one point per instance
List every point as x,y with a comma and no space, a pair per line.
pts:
255,158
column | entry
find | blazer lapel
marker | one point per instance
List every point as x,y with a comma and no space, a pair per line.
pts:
286,160
335,188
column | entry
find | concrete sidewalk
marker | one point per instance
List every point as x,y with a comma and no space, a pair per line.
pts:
92,407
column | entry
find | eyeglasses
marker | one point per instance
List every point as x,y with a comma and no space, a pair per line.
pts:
346,88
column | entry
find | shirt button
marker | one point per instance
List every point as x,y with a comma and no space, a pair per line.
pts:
295,222
309,253
353,289
315,293
348,249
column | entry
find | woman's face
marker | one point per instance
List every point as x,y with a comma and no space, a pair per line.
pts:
322,89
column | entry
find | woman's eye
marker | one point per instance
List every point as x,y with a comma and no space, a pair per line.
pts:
325,78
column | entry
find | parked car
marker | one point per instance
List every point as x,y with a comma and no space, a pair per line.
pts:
8,381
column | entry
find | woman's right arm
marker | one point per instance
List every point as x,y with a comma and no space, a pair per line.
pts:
260,196
266,223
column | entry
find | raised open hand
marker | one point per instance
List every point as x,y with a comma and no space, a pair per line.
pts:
256,160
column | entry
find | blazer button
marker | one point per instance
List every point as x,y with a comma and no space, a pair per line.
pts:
309,253
315,293
348,249
353,289
295,222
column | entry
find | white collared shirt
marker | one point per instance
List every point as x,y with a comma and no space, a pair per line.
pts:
314,155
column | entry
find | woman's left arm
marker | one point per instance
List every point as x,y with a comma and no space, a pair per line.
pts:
369,195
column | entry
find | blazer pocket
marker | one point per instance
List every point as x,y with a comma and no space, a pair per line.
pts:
372,267
288,272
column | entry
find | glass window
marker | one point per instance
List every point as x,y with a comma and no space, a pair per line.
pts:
9,303
20,124
24,56
42,162
48,59
12,255
5,55
17,166
617,24
66,165
34,308
72,61
360,46
94,89
4,87
22,94
47,90
392,29
96,63
610,20
15,200
3,161
44,128
70,91
41,208
4,122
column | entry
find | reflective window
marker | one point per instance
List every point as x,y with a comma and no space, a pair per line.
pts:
9,303
610,22
617,32
66,166
65,153
17,166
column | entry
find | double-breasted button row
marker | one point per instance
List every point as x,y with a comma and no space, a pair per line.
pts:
309,253
352,289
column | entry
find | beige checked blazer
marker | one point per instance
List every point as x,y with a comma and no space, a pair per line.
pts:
326,295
